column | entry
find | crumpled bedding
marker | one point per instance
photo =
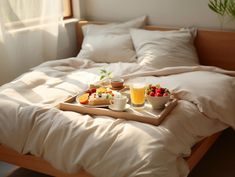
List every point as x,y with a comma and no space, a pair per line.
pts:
107,147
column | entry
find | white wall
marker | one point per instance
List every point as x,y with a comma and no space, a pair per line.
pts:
160,12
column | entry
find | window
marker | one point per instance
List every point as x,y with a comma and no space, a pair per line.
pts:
13,10
20,15
67,8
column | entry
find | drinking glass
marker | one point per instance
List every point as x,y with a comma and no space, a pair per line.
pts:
137,92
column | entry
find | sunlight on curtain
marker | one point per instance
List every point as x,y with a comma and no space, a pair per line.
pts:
29,31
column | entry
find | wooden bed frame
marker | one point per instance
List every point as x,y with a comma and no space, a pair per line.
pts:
216,48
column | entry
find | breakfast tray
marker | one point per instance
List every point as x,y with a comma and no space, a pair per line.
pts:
145,115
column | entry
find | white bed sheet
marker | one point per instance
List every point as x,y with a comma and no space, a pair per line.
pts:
107,147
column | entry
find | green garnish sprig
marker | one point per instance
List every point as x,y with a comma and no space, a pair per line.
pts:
104,74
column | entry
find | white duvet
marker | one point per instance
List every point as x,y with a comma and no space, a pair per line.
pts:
107,147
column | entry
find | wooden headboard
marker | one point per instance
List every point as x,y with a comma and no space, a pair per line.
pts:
215,48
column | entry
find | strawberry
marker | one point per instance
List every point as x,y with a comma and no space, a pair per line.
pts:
158,91
158,94
153,88
162,90
165,94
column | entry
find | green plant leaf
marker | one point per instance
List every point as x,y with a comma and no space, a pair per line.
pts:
213,6
219,6
102,77
102,71
105,74
109,74
231,8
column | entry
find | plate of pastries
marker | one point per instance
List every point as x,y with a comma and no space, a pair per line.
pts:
97,97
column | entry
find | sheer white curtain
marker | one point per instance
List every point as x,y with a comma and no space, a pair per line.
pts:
29,31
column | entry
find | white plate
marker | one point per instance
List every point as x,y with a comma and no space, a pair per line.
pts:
90,106
93,106
127,107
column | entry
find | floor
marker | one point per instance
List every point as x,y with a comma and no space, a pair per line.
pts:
218,162
220,159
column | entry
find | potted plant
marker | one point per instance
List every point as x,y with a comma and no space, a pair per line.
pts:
223,8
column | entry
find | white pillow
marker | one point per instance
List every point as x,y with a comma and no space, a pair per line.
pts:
161,49
109,43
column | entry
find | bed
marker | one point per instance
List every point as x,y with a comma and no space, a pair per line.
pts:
215,48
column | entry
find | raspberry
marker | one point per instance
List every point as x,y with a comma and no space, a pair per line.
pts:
93,90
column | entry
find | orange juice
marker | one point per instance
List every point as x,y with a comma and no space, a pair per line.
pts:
137,92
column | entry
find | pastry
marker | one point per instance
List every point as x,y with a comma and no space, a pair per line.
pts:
100,99
96,96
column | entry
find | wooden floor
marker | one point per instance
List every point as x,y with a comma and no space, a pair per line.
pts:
218,162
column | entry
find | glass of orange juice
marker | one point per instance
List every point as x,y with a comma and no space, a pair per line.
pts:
137,92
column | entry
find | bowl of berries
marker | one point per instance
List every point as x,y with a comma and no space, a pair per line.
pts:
157,96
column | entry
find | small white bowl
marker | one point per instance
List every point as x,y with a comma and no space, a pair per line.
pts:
158,102
117,83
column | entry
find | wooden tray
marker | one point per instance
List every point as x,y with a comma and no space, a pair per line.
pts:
145,115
